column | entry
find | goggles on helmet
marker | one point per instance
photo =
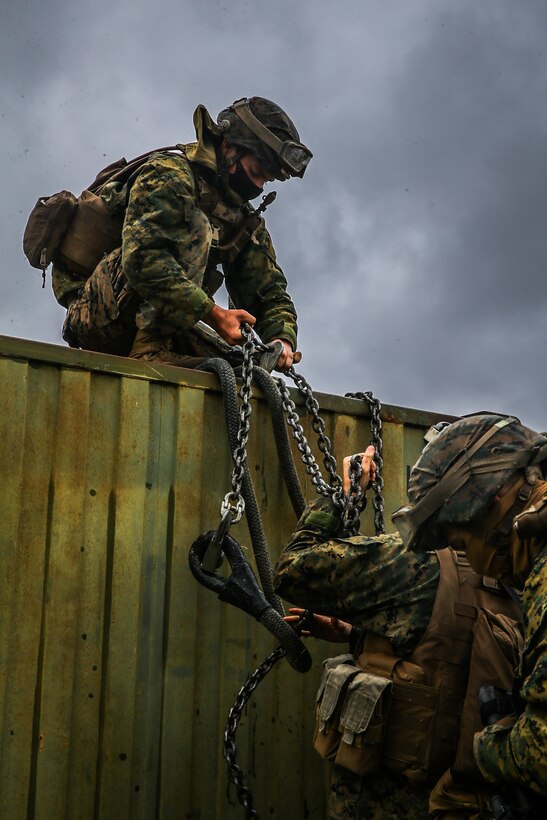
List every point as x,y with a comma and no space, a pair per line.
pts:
293,156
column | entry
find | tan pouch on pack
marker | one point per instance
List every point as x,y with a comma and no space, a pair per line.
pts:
92,234
47,224
412,707
350,716
362,723
338,673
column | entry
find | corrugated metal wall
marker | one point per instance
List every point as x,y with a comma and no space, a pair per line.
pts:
117,669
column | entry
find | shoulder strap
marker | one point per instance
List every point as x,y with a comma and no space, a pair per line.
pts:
121,170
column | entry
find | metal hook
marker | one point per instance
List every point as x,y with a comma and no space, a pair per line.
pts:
212,558
240,588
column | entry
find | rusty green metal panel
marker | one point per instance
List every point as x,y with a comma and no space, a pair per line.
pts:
117,669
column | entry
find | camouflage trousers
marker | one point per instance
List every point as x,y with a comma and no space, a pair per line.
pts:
388,796
381,797
102,315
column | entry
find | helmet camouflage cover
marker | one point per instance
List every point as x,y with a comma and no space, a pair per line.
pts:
276,121
460,472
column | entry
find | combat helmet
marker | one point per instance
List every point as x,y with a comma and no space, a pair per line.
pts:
263,128
460,472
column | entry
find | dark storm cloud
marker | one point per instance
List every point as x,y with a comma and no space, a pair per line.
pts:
415,246
444,209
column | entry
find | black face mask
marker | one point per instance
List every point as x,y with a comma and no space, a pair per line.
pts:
240,182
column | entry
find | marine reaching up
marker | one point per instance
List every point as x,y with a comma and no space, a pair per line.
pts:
480,486
397,716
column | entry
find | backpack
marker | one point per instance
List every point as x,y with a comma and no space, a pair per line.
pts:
79,231
47,224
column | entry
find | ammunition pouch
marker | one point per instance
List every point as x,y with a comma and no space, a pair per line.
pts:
406,746
350,716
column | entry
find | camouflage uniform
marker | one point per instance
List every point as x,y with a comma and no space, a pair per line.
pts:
483,477
160,279
372,582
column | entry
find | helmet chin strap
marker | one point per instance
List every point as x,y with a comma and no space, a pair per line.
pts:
229,161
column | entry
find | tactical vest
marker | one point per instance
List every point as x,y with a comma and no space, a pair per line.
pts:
233,228
417,715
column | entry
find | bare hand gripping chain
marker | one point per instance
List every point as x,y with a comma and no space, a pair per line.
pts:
348,504
376,440
356,498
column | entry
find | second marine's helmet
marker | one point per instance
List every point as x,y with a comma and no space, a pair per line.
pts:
460,472
263,128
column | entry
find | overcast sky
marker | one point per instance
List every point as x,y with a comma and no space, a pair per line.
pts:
415,246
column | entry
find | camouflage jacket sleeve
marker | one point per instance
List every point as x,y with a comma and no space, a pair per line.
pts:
518,753
372,582
165,242
256,283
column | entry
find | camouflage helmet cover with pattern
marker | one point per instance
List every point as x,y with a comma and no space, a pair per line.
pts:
274,119
460,472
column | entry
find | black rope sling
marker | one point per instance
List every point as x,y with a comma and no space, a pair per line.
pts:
206,554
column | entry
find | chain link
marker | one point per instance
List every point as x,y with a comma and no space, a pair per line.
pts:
307,456
235,773
234,501
334,490
318,425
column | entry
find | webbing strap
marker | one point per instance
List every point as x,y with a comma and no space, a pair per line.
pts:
243,111
125,171
454,478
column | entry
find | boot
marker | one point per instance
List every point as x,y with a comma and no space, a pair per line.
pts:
151,346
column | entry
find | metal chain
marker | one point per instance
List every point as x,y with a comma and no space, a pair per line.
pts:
235,774
333,490
307,456
376,440
313,408
350,505
233,501
318,425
